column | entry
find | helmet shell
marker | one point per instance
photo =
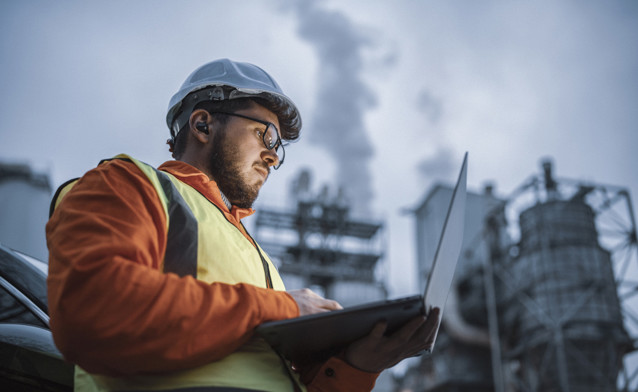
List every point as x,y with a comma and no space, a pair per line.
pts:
219,80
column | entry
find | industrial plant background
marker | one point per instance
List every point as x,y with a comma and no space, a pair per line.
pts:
544,297
542,94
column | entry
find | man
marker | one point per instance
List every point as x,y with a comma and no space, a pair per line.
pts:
154,283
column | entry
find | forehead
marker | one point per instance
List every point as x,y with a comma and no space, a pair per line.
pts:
259,112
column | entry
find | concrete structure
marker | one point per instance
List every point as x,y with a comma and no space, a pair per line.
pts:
429,218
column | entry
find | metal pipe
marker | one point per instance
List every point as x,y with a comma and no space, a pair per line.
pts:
492,317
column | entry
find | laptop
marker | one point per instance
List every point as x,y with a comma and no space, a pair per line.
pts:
316,337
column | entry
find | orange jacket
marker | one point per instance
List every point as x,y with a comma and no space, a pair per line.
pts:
114,312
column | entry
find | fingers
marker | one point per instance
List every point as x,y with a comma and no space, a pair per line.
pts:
409,329
434,315
420,328
310,302
379,329
325,305
331,305
417,335
431,325
308,292
376,351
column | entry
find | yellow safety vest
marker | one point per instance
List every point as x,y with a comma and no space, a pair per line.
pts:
223,255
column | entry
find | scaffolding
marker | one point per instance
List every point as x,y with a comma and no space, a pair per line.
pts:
317,243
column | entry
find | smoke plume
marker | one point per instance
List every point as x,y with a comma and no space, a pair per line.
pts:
439,167
342,97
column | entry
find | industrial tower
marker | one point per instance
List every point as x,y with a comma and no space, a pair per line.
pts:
556,295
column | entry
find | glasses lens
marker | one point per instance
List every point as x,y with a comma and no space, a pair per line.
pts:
270,137
272,141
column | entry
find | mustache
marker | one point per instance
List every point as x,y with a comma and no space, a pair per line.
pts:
263,165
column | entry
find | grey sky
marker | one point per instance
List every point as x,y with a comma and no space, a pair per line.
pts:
509,81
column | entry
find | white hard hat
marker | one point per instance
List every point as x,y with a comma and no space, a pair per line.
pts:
224,79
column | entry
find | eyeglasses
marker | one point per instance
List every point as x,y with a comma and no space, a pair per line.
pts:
270,136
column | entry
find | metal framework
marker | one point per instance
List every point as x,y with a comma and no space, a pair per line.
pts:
552,354
318,241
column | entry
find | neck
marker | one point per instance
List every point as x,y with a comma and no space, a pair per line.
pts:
197,162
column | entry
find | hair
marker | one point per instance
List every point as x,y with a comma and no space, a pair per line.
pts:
289,120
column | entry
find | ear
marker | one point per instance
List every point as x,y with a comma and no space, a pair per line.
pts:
201,133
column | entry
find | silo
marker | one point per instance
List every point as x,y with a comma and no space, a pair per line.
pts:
566,330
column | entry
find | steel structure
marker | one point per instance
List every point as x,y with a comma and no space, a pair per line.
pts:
565,296
557,294
318,244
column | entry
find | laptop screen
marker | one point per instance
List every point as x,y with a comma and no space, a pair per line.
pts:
449,247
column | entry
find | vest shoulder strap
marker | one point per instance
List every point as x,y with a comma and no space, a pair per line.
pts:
181,247
60,193
152,174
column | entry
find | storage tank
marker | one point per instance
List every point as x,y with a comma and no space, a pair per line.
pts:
566,327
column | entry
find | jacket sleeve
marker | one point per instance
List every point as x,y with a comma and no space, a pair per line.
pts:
112,311
336,375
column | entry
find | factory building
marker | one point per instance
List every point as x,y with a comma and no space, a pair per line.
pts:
25,196
462,356
544,298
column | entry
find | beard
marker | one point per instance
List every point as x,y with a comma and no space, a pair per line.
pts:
226,169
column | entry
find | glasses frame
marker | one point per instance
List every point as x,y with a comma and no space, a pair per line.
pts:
278,143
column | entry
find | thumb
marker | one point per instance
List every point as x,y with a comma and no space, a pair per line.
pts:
379,329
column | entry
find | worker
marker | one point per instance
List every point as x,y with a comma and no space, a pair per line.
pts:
155,284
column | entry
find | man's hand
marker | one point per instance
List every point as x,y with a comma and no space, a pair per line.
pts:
377,352
310,302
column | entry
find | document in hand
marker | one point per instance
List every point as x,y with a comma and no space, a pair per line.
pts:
318,336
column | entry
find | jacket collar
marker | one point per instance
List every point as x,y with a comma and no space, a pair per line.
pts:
195,178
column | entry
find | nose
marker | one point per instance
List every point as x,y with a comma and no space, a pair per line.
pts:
270,157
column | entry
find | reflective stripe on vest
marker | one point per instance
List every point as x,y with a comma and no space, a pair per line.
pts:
181,249
223,254
181,239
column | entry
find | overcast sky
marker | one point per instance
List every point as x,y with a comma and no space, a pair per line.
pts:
391,92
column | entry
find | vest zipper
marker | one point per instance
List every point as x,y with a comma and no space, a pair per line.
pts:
264,263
